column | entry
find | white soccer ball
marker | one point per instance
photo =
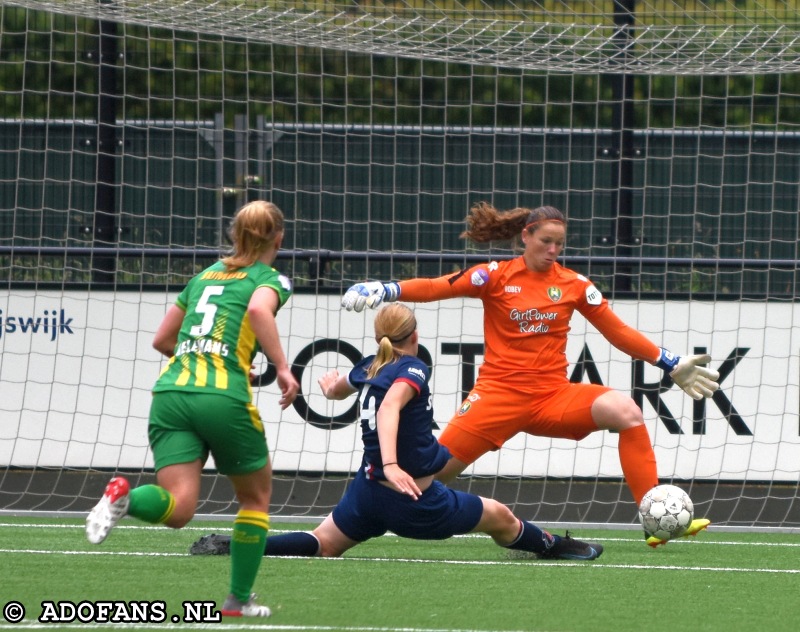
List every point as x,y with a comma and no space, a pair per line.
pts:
666,511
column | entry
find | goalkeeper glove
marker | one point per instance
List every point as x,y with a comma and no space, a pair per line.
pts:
688,373
371,294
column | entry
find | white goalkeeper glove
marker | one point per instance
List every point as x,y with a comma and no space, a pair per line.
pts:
689,373
370,294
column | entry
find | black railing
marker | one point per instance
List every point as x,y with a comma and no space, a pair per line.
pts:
316,269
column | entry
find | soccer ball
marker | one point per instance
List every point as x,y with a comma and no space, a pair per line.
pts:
666,512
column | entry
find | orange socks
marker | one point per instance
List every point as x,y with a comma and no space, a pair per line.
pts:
638,461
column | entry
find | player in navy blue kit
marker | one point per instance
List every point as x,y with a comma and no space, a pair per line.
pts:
394,489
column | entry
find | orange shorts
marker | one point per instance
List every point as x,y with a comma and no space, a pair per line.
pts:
494,412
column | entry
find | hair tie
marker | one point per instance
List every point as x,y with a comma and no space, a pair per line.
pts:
543,219
403,337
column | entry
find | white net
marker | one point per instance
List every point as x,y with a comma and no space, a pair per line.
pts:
584,36
132,131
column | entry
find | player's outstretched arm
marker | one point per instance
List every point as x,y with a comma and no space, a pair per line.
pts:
689,372
335,386
369,294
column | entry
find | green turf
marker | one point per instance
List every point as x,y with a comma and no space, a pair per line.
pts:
717,581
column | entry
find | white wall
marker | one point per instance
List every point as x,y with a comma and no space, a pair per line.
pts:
75,390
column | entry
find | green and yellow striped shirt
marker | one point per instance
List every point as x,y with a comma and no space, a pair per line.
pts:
216,344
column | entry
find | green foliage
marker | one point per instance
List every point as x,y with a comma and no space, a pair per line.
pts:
48,69
167,181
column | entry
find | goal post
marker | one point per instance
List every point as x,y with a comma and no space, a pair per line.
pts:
668,133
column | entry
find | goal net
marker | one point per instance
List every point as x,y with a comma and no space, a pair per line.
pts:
669,134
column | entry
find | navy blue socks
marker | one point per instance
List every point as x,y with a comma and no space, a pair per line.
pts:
298,543
531,538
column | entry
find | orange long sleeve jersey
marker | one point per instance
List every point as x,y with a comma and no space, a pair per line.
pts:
526,317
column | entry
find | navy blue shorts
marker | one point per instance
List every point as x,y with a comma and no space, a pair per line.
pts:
369,509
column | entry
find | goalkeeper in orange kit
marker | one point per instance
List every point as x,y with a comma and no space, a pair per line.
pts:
522,385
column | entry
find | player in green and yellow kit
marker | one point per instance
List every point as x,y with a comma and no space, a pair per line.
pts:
203,401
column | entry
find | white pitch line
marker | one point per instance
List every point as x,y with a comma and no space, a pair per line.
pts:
206,529
120,553
131,527
400,560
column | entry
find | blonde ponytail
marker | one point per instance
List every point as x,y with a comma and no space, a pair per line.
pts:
394,323
253,230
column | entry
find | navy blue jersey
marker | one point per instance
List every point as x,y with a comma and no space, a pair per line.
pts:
418,451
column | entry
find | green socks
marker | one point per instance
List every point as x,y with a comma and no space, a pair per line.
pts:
247,548
151,503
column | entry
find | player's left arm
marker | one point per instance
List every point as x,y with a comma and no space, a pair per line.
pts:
688,372
261,310
388,421
621,335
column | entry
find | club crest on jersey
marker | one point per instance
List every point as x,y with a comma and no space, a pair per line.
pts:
554,293
465,407
479,277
